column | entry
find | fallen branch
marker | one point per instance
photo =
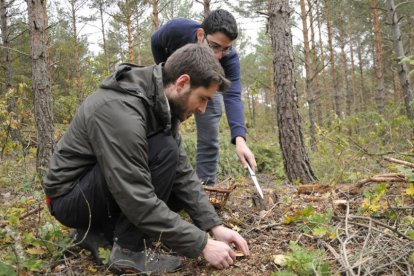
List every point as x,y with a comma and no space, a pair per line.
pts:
401,162
388,177
378,223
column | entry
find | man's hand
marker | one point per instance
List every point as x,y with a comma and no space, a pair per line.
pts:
219,254
229,236
244,153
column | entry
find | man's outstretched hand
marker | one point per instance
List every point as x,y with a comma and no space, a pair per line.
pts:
245,155
218,252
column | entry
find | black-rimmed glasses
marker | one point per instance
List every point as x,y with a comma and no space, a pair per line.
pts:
217,48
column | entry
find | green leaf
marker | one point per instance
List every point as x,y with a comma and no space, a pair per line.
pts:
320,231
104,254
283,273
411,234
407,172
6,270
411,259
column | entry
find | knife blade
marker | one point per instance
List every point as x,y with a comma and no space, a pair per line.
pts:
256,183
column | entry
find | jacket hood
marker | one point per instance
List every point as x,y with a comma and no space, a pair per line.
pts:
143,82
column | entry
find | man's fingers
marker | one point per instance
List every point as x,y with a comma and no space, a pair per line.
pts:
242,245
252,162
232,256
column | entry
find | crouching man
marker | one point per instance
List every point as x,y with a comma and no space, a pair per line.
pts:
120,173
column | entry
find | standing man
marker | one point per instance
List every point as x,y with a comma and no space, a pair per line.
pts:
218,31
120,172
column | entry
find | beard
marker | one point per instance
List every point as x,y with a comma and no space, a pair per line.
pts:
179,105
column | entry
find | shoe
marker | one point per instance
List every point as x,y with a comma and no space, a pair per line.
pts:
208,183
123,260
92,242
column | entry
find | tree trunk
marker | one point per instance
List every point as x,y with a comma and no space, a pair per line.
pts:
138,33
363,94
336,101
398,94
76,50
206,8
155,19
315,68
309,73
138,38
295,158
378,56
410,34
322,59
104,46
345,82
273,96
6,49
128,22
353,80
399,51
40,84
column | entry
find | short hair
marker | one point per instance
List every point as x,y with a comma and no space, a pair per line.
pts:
198,61
220,21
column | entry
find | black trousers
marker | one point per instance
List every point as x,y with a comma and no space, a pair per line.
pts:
91,205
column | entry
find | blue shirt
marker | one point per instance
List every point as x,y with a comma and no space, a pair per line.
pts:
179,32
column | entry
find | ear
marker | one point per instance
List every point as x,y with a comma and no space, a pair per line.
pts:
182,82
200,35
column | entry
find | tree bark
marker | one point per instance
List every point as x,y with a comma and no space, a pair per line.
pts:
40,84
75,38
399,51
345,82
410,27
353,79
295,158
155,19
7,59
104,46
336,97
206,8
128,22
322,59
315,67
309,74
363,94
378,56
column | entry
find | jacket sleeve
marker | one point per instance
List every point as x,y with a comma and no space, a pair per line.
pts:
119,133
232,96
191,195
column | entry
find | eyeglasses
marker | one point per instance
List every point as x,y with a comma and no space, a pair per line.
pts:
217,48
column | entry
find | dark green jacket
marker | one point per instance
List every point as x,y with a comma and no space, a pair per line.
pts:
111,128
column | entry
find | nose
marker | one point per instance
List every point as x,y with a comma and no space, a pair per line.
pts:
202,108
219,55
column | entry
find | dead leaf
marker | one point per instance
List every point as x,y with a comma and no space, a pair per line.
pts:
59,268
35,251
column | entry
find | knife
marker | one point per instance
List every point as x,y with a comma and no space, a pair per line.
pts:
254,178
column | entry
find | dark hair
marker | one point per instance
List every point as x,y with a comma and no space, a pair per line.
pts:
220,21
199,62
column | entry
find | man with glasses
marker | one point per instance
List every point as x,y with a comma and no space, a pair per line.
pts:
218,31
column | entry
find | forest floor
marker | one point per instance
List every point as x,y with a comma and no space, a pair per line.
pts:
327,222
331,232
